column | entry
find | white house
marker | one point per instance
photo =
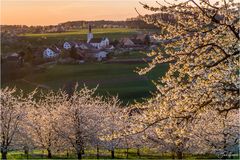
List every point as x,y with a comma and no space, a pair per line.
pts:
50,53
67,45
101,55
104,43
99,44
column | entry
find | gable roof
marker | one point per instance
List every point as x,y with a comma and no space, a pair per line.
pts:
137,41
141,37
53,48
95,40
127,42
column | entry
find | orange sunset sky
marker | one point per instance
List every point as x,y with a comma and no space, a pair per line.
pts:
46,12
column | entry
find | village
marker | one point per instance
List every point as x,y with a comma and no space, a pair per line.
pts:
94,49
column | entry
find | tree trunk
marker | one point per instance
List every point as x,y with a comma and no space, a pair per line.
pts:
26,151
179,155
42,154
138,152
49,154
4,155
79,154
83,152
173,155
127,154
112,153
97,152
27,155
67,154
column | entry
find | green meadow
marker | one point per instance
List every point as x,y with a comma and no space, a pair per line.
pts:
98,31
145,153
77,36
111,79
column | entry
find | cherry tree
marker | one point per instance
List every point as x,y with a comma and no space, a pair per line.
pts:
201,45
113,125
79,118
41,121
13,114
218,134
202,53
160,130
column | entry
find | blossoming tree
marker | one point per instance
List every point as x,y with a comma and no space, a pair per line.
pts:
13,115
201,45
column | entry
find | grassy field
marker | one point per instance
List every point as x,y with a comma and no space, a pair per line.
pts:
77,35
113,79
98,31
105,154
132,55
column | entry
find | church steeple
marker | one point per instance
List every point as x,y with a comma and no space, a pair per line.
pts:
90,35
89,28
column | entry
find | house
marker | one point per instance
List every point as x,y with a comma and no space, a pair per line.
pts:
142,37
13,57
104,42
137,41
51,52
69,45
110,48
101,55
127,42
83,46
99,43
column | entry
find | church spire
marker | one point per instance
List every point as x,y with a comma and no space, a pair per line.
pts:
90,35
89,28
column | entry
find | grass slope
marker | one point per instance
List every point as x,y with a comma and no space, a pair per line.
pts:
113,79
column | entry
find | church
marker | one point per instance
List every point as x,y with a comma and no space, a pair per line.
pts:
97,43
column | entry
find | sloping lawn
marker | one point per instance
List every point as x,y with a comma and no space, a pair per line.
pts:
111,79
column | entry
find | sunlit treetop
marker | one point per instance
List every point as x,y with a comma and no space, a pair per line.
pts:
201,45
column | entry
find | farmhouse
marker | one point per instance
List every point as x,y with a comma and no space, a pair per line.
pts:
127,42
13,57
85,46
69,45
101,55
51,52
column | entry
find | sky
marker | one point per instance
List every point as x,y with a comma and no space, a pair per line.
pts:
51,12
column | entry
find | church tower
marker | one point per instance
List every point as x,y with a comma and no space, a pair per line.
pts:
90,35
